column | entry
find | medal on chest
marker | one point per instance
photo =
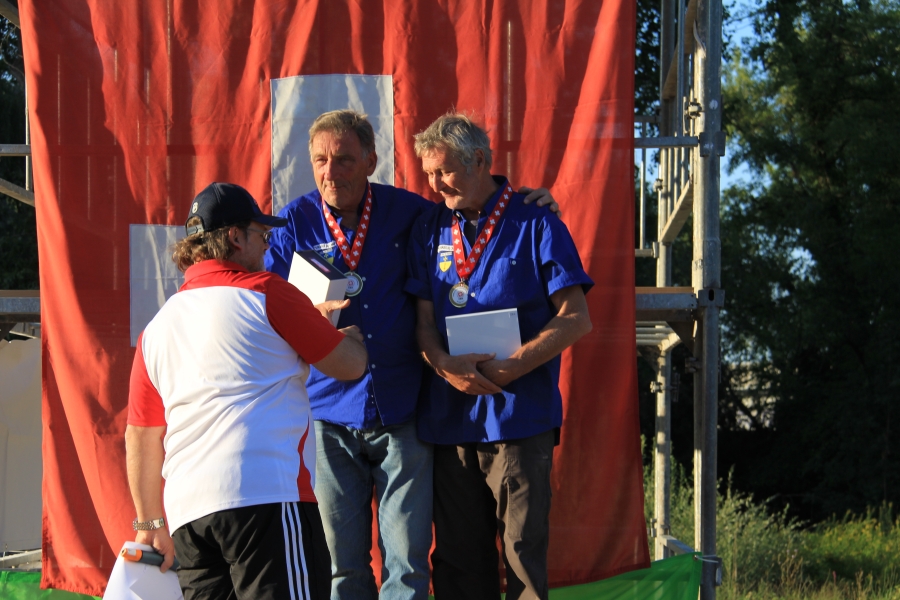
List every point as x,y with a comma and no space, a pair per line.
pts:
351,253
465,265
459,294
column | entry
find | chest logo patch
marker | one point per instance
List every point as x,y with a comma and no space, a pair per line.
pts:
326,250
445,257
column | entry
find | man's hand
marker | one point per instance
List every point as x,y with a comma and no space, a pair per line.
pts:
329,306
500,372
542,197
348,359
161,542
352,331
462,373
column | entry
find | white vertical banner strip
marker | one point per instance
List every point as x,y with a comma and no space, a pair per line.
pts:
153,275
297,101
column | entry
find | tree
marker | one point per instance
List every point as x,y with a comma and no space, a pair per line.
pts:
813,311
18,227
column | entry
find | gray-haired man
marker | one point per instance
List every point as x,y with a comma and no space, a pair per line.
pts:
493,420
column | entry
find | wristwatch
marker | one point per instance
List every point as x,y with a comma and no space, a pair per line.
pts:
148,525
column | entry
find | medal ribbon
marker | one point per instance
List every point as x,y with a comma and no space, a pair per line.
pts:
465,266
351,255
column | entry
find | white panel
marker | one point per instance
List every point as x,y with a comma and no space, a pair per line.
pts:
154,277
297,101
20,445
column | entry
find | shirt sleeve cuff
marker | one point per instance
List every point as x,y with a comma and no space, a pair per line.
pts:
569,279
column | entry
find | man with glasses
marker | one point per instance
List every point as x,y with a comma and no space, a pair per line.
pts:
218,408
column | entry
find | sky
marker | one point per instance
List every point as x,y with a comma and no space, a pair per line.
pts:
738,27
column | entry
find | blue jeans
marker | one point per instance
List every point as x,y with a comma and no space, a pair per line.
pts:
349,464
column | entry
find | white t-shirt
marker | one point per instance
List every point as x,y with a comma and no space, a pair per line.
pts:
223,366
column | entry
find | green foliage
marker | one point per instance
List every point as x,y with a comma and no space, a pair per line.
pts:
646,60
768,554
813,314
867,544
18,240
18,246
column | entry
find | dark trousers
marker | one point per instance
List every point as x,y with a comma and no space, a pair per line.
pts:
267,551
481,490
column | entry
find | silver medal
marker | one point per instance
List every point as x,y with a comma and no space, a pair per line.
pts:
354,283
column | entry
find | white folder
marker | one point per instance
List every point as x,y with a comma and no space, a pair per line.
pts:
318,279
485,332
139,581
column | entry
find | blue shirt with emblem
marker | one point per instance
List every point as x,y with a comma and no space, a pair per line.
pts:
387,393
530,256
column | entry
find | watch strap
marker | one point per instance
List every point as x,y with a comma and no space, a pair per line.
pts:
148,525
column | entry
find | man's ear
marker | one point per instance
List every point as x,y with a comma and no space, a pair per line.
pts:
479,158
372,161
236,238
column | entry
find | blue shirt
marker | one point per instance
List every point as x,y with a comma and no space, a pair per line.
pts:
387,393
529,257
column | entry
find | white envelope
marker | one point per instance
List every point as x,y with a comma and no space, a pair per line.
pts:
485,332
139,581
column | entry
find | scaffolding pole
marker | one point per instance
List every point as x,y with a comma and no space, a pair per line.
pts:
690,145
706,274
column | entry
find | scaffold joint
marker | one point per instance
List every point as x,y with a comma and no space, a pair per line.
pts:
711,297
694,109
712,143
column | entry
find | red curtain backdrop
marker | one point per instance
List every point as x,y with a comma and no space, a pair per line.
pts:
137,105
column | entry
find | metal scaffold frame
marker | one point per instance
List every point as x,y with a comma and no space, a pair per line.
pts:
690,144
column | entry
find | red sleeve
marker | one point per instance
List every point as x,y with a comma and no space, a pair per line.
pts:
300,323
145,405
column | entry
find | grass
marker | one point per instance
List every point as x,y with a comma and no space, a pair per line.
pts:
768,555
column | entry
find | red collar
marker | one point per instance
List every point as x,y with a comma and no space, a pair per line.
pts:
211,266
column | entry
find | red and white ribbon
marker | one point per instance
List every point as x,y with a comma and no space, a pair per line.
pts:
352,254
465,265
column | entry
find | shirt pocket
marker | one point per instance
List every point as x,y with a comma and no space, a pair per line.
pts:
511,283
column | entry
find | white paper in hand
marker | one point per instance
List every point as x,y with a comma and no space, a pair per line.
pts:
494,331
139,581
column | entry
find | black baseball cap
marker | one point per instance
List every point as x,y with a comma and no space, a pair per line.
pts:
223,204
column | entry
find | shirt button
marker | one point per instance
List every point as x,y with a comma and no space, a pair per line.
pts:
363,278
371,366
396,245
370,336
513,262
472,294
365,306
